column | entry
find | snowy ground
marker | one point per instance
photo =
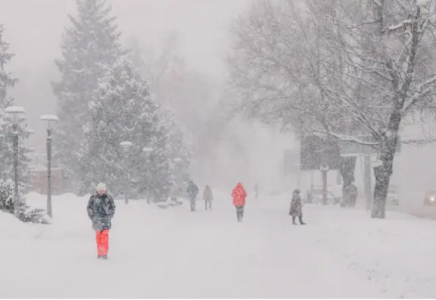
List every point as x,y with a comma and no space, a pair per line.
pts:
173,253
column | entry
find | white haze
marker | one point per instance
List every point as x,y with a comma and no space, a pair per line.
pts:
34,29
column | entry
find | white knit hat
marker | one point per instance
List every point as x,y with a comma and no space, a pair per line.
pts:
101,187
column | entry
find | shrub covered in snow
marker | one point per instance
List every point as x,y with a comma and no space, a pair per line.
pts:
28,214
25,213
6,196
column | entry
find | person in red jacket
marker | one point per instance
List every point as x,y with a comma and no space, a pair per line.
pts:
239,195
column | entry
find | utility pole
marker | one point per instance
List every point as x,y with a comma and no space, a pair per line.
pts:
324,170
367,181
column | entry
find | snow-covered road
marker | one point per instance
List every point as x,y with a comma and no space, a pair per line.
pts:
174,253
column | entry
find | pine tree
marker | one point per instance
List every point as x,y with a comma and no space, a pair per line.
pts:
6,149
159,171
163,73
89,46
122,110
180,152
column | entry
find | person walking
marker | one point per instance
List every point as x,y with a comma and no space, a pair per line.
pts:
101,210
192,193
239,196
208,197
256,191
296,208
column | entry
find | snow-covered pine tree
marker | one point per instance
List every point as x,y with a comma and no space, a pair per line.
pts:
7,172
89,46
159,170
180,151
6,150
163,73
122,110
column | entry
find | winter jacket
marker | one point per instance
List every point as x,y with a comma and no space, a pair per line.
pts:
207,194
296,207
239,194
192,190
101,210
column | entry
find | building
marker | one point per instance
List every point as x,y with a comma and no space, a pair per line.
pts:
38,170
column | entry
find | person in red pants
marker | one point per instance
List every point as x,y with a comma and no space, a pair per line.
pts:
239,195
101,209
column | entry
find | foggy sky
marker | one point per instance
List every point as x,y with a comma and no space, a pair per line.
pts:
34,29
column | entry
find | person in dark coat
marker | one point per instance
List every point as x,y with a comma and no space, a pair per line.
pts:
192,193
101,210
296,208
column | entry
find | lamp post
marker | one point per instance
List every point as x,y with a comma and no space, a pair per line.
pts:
177,160
126,147
147,151
15,112
51,120
324,170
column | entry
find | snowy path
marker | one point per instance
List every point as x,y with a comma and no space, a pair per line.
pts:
173,253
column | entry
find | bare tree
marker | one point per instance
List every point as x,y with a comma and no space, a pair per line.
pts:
351,70
279,65
388,47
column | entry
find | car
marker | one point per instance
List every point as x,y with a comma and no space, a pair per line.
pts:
393,197
315,195
430,198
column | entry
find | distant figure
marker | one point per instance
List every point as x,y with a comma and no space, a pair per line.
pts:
309,194
256,191
239,195
296,208
352,192
192,193
101,209
208,197
174,193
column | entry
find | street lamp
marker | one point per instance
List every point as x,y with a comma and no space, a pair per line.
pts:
178,173
147,149
51,120
298,175
126,147
15,113
177,160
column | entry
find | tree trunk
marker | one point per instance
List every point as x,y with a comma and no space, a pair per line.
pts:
382,178
348,166
384,171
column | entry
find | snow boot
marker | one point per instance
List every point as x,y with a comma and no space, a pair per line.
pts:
104,257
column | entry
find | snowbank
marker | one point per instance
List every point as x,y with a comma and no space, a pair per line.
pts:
162,253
